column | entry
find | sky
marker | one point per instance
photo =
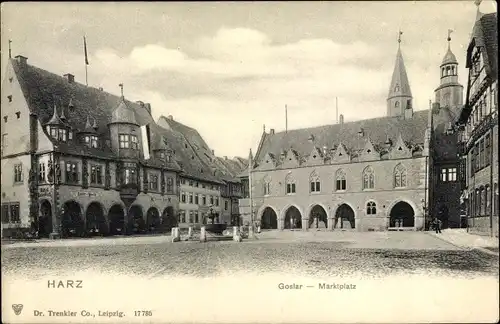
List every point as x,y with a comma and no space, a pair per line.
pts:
228,68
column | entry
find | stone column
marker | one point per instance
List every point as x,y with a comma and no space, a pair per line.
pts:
305,224
331,223
203,234
280,224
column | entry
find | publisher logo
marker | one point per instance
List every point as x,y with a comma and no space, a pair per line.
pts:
18,308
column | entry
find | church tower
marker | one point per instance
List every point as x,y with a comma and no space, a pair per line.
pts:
450,92
399,100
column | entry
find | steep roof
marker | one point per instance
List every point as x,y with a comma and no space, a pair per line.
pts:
123,114
80,102
400,86
449,57
225,169
484,35
330,136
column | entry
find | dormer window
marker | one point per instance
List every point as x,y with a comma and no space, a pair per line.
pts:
396,88
58,133
162,155
91,141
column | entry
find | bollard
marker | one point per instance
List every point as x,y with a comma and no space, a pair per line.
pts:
250,231
176,234
190,232
258,229
203,234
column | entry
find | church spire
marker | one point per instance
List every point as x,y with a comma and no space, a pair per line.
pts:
399,97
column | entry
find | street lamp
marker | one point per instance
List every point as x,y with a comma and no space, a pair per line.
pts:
424,207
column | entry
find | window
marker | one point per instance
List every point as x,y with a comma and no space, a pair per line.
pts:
396,88
476,158
191,183
190,198
216,201
371,208
191,218
18,173
487,151
495,199
267,186
196,217
4,141
481,154
91,141
482,206
153,182
203,186
170,185
340,180
5,214
443,175
183,181
96,174
226,205
315,185
14,213
182,216
396,104
290,184
10,98
183,197
452,174
124,141
70,135
203,200
487,200
399,176
41,172
196,201
130,173
368,178
133,142
197,184
472,161
71,172
5,118
211,200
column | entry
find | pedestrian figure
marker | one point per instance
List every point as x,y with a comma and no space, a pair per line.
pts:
437,225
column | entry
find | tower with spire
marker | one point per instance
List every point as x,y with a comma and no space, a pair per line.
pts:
450,91
399,99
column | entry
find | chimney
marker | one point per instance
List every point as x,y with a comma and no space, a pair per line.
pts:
140,103
225,158
148,107
69,77
271,131
170,117
101,89
213,152
21,59
341,119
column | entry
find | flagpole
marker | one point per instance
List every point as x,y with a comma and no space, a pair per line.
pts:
86,76
86,60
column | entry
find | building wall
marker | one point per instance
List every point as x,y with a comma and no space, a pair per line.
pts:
384,194
188,186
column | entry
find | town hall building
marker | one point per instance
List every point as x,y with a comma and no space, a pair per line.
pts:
391,172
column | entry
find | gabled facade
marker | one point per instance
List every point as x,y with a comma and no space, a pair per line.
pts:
366,175
479,128
78,161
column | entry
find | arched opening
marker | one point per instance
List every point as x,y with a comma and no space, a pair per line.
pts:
136,223
44,222
344,217
318,217
293,218
269,219
168,219
72,224
96,223
153,220
116,217
402,215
